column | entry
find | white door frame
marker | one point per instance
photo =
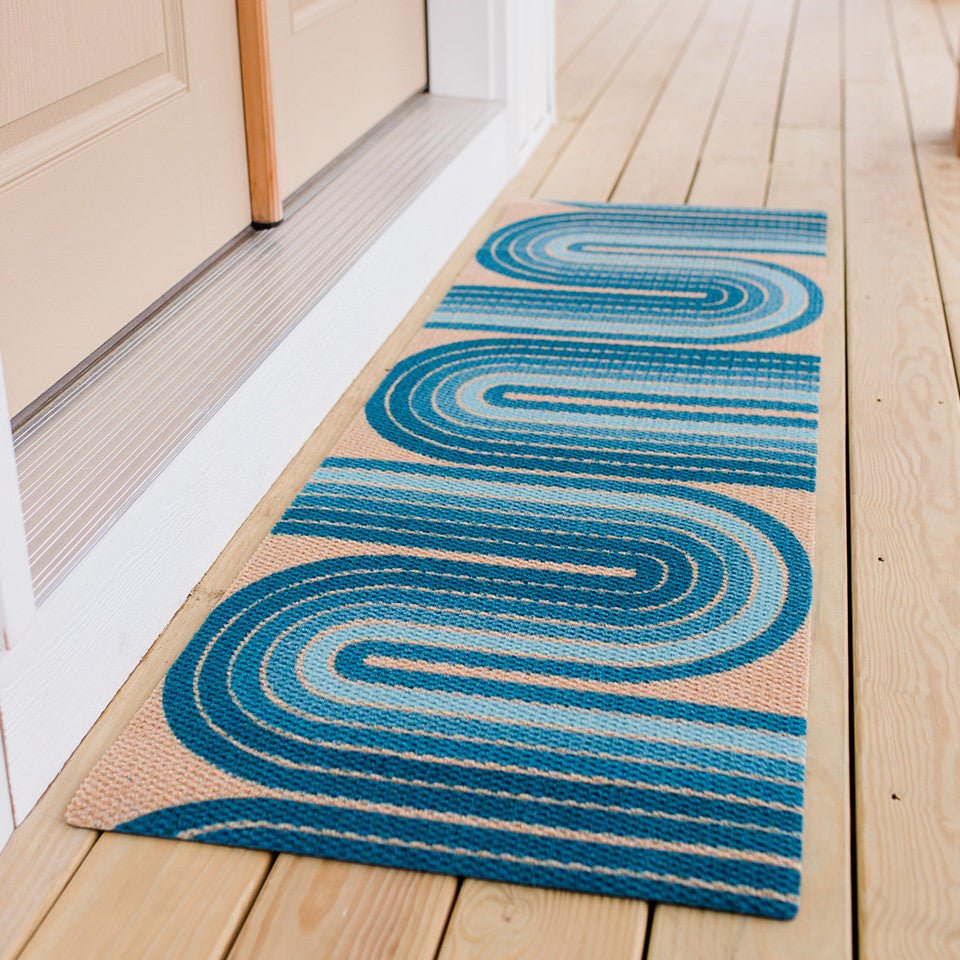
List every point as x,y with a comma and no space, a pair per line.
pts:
17,606
6,807
497,50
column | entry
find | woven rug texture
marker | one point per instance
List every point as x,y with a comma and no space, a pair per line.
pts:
542,616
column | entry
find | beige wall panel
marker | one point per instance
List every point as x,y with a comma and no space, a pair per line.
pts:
339,67
122,166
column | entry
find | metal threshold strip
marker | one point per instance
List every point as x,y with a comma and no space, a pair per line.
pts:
85,456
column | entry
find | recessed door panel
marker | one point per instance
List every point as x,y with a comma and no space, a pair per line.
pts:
339,67
122,166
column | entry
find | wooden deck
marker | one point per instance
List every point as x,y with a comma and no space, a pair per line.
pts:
842,105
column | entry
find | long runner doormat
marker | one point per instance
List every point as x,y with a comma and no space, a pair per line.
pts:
542,616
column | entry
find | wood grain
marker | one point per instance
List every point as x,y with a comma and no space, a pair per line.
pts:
948,12
601,58
149,898
580,21
928,72
345,911
507,922
746,116
735,160
591,164
266,206
664,161
905,536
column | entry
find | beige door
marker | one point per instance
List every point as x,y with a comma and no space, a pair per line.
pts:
339,66
122,166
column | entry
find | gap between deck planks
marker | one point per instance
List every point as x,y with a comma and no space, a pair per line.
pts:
577,24
590,165
601,57
734,164
662,166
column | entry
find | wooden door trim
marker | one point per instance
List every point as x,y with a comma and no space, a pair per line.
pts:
266,206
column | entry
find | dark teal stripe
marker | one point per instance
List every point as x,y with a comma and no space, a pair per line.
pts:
584,862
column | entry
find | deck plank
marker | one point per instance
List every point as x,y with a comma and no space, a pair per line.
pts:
665,158
949,16
36,864
905,536
578,23
586,74
149,898
328,910
591,164
735,161
508,922
929,75
44,852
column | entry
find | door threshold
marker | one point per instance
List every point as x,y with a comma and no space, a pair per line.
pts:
88,453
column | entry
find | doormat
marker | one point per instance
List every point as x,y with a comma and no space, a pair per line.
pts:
542,616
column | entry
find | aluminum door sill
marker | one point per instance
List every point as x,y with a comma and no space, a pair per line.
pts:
86,456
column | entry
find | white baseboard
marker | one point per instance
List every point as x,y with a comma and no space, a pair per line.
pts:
94,628
6,811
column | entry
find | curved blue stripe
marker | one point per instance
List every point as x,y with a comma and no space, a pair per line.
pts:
630,285
468,690
434,404
459,849
301,632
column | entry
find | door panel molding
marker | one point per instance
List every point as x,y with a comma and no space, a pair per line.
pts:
122,166
48,123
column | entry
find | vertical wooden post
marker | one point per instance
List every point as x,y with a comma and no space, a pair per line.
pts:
265,203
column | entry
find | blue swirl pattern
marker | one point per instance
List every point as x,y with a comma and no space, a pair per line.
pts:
687,582
656,276
607,410
438,667
512,634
